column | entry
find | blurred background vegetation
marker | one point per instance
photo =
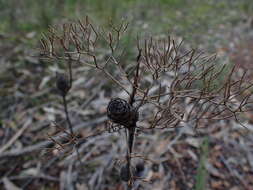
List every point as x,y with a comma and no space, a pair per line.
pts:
189,19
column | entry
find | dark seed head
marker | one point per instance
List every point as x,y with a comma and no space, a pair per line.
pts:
120,112
139,169
62,84
124,173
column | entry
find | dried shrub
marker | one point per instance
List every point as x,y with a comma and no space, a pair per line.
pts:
179,86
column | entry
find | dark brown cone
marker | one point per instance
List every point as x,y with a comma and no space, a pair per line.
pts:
124,173
62,84
120,112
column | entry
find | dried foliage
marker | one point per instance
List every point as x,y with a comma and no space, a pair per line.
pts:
179,86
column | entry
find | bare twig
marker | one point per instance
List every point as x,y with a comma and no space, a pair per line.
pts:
41,145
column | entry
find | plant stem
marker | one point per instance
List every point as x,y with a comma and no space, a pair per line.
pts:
131,132
67,115
70,126
131,129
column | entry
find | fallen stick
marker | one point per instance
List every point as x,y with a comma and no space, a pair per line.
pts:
16,136
44,144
